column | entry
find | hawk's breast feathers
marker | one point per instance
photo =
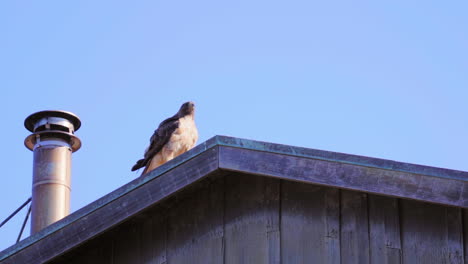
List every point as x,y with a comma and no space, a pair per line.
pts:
173,137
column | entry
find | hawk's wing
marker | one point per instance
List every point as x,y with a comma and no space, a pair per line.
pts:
160,137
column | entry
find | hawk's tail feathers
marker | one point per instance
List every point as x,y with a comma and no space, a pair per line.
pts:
139,164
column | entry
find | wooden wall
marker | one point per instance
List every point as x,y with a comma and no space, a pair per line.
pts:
240,218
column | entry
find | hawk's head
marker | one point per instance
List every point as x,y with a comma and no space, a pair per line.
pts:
187,108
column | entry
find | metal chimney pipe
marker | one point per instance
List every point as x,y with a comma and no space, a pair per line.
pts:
52,143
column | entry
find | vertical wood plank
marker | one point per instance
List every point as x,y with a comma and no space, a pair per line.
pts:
127,244
195,226
146,237
102,251
309,224
273,207
465,235
98,250
153,238
252,220
354,228
332,221
431,233
384,228
454,235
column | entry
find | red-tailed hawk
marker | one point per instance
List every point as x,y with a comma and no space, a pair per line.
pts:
174,136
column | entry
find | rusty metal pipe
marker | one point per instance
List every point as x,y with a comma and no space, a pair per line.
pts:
52,142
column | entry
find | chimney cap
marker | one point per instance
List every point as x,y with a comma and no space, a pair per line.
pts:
32,119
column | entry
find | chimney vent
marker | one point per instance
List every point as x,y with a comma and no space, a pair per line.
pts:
52,142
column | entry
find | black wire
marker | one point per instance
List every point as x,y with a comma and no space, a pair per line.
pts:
24,224
15,212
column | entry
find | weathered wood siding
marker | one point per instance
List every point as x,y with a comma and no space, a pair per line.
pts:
240,218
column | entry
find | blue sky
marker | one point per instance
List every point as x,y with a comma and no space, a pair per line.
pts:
374,78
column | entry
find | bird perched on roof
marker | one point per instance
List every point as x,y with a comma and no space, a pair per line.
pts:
174,136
